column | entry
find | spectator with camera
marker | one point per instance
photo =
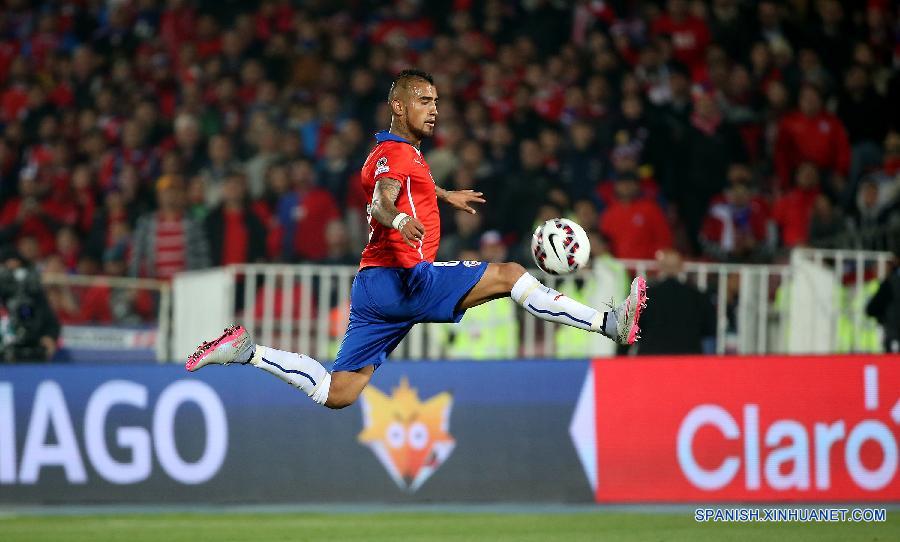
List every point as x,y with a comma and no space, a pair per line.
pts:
32,330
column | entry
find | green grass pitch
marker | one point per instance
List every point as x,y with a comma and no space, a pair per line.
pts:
422,527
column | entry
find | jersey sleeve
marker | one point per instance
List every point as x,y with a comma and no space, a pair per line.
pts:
394,163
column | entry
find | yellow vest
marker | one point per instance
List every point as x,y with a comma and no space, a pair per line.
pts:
866,338
571,342
488,331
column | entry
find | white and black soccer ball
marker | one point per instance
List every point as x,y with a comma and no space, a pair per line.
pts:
560,246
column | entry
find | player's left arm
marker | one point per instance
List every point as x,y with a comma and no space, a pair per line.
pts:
460,199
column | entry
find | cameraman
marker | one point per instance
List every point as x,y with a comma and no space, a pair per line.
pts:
32,328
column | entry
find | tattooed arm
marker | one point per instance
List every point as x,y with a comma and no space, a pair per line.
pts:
383,208
386,213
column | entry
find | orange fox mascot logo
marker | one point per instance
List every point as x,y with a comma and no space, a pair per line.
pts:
411,438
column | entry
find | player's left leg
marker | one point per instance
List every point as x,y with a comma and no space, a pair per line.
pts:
377,324
335,390
510,279
235,346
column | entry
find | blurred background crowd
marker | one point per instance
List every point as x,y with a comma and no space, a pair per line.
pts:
139,135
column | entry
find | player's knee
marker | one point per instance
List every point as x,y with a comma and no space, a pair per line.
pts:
342,392
338,399
510,273
335,404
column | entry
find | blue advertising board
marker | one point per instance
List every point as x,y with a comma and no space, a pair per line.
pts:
422,432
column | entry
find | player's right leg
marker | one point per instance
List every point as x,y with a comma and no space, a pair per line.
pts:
511,279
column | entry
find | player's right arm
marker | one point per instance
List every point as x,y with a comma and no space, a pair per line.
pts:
385,212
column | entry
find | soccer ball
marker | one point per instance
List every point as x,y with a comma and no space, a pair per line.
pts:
560,246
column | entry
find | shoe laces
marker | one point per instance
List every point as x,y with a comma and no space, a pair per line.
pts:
206,345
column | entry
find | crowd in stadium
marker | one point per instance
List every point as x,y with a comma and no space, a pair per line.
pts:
139,135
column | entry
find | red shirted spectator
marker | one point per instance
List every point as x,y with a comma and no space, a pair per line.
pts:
356,196
234,231
624,160
178,23
84,197
277,184
62,95
278,309
209,39
63,300
740,173
109,222
636,227
585,16
792,211
9,50
167,241
87,100
689,34
97,301
68,248
304,214
44,42
57,171
104,304
132,152
887,176
811,134
29,215
38,157
95,306
417,31
548,101
59,203
14,102
273,17
493,93
736,224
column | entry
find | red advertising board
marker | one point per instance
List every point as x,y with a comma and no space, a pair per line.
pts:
742,429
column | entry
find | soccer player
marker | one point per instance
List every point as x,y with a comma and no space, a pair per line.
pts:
399,284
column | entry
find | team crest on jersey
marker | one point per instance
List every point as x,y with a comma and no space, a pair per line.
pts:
381,166
411,438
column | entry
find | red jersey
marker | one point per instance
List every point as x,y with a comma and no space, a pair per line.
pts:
690,37
821,140
636,229
792,214
395,158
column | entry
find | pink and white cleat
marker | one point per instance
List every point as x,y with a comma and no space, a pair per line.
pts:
233,346
629,312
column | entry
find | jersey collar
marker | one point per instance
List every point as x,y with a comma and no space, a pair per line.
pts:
386,135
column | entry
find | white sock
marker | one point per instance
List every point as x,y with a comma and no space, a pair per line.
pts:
548,304
296,369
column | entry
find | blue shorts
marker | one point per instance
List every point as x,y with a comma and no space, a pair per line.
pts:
385,303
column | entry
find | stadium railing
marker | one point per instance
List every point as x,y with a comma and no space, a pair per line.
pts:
878,238
111,319
814,304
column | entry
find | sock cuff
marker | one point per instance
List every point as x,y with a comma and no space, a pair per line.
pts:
523,288
258,353
320,394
